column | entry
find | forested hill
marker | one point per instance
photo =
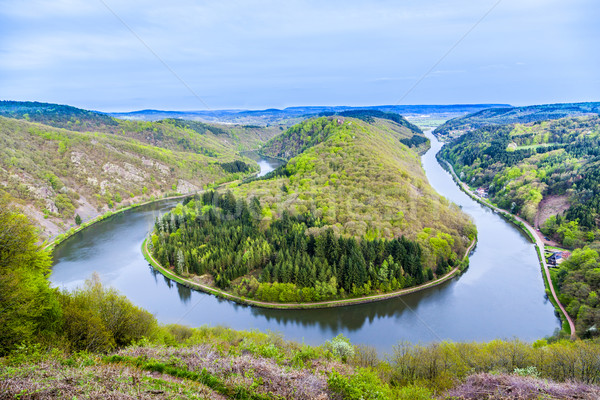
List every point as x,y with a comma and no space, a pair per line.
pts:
370,115
302,136
59,162
174,134
549,173
510,115
351,215
57,115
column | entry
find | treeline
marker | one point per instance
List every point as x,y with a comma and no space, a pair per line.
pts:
217,234
236,166
370,115
414,141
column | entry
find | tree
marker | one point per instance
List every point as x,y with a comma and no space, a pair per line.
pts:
78,219
29,308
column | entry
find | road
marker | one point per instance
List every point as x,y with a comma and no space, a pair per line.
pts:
538,241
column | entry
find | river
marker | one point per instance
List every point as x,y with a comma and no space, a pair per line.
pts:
501,294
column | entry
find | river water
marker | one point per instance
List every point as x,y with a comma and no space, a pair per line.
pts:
501,294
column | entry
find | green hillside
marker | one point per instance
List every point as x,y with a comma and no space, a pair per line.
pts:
59,161
174,134
56,174
548,173
300,137
351,215
511,115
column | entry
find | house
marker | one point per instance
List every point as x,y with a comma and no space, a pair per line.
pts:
482,192
555,258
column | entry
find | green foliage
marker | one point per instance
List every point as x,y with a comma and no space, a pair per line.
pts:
220,235
364,384
29,310
360,181
340,347
99,319
524,164
578,279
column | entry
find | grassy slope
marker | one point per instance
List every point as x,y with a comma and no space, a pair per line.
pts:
500,116
362,182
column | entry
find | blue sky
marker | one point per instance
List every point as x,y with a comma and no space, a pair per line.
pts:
190,55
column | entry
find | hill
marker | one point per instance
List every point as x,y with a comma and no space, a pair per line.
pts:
548,173
510,115
351,215
56,174
302,136
57,115
171,133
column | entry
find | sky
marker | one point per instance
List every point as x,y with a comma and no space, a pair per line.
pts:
121,55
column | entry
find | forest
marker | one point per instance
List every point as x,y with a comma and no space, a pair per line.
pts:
521,165
219,235
361,182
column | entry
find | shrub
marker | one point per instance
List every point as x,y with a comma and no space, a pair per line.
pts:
364,384
100,319
340,347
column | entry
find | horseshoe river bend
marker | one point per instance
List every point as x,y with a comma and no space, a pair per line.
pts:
501,294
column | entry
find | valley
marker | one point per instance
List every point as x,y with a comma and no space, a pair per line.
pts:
316,188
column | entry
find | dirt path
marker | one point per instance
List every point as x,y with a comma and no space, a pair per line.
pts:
321,304
539,241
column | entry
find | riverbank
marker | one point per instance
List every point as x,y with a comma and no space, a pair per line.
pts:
300,306
50,245
566,320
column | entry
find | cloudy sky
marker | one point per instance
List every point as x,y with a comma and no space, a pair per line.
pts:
121,55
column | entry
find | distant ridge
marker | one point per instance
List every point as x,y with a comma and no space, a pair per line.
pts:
511,115
291,115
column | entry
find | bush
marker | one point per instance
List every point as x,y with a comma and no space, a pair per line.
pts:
340,347
364,384
99,319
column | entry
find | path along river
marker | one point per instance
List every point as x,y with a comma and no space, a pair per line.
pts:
501,294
